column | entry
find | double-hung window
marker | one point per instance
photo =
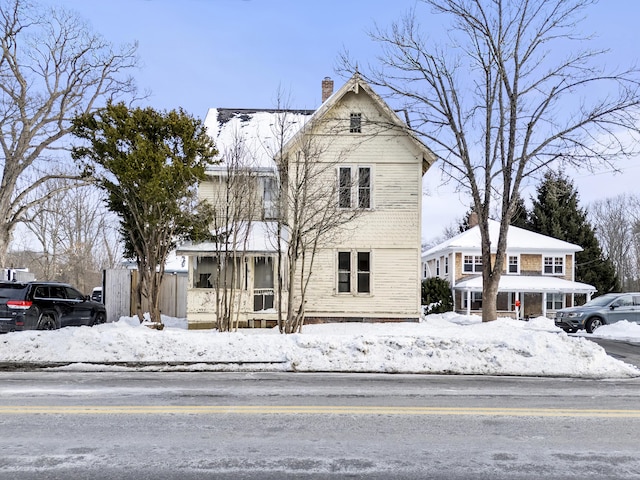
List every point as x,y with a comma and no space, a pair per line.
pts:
350,281
553,266
555,301
354,187
344,272
513,264
344,187
472,264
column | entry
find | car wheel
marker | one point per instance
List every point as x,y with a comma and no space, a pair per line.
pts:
594,323
47,322
99,319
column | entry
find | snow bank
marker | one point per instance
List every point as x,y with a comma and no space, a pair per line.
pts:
442,344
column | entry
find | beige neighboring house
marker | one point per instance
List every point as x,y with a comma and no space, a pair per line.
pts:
370,270
539,272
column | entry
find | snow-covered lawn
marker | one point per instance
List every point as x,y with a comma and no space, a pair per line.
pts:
443,344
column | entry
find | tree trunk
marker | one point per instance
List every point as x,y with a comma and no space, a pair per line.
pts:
5,240
490,297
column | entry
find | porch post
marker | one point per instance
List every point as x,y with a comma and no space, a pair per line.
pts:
468,302
518,305
544,304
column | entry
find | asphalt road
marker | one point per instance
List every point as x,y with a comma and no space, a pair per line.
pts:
126,425
628,352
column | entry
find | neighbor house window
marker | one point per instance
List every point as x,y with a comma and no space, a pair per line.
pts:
446,265
355,125
553,265
555,301
476,300
472,264
513,264
354,187
362,261
438,267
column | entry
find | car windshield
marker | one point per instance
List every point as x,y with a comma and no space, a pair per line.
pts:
12,290
600,301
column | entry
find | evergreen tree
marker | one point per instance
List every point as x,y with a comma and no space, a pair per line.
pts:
556,212
149,164
520,216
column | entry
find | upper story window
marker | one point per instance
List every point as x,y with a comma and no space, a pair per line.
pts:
438,267
269,208
472,264
354,187
553,266
446,265
355,124
513,266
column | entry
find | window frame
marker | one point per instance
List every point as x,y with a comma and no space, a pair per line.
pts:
551,300
516,263
351,189
353,277
555,265
476,264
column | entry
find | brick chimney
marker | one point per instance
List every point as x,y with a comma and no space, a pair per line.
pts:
473,219
327,88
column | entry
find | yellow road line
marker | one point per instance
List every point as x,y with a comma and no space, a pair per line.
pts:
309,410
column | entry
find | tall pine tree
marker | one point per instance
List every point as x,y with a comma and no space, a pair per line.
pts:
556,213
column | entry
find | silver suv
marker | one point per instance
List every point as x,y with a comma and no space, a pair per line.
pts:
608,308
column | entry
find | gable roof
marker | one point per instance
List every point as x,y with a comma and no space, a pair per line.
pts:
258,132
355,84
518,239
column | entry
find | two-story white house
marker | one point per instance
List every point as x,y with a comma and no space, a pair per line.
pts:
538,279
370,269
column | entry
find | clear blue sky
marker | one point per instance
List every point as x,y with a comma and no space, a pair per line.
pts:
198,54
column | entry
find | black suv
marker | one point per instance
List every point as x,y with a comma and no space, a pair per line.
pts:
45,306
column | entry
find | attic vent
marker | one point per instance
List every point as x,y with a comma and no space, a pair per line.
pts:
356,123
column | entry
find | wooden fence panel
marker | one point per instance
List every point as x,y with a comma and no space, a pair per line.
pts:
173,294
116,294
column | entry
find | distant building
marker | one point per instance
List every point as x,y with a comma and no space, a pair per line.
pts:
539,274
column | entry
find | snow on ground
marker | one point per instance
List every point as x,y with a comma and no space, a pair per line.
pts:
440,344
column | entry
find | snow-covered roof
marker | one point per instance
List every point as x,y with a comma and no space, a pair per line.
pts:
518,240
255,134
261,238
525,283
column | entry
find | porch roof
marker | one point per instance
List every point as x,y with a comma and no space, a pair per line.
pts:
528,283
260,238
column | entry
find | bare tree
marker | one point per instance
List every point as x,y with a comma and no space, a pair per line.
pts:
235,205
73,228
499,103
309,217
614,230
52,68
